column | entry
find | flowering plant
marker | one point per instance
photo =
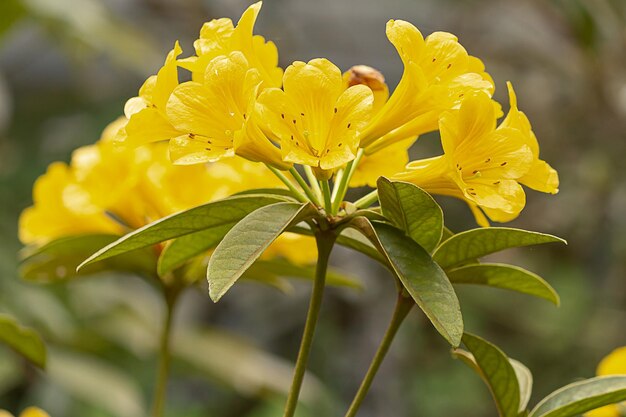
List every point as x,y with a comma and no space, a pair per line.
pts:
263,160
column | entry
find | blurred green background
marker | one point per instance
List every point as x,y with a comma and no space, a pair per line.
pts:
66,69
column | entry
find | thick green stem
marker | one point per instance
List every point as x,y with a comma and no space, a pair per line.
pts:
160,388
325,241
296,193
403,306
368,200
307,190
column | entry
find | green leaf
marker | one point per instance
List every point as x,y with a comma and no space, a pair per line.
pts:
476,243
216,214
189,246
424,280
582,396
496,370
264,269
504,276
23,340
247,240
413,210
525,381
57,260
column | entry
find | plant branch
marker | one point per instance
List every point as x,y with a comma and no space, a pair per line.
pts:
403,306
367,200
160,388
325,241
326,193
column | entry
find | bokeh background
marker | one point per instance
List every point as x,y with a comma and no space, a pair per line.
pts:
66,69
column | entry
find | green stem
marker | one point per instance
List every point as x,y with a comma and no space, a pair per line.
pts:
307,190
338,178
160,388
403,306
325,241
367,201
296,193
342,188
326,193
313,180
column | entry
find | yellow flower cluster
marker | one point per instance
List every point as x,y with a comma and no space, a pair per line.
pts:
28,412
111,189
613,364
239,102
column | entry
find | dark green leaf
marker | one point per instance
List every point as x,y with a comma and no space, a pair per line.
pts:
424,280
496,370
57,260
476,243
23,340
247,240
413,210
503,276
582,396
216,214
186,247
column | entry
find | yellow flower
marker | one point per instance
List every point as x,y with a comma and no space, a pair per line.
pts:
298,249
388,160
481,164
134,186
220,37
213,115
147,121
613,364
541,176
315,119
28,412
438,75
57,212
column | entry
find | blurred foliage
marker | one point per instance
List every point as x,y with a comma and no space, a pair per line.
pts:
66,68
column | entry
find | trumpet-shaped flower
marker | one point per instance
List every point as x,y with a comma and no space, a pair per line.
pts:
613,364
316,120
541,176
481,164
212,114
438,75
147,121
221,37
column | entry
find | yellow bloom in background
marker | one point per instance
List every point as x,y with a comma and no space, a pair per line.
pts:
438,75
221,37
147,121
297,249
28,412
386,162
613,364
57,213
211,113
481,164
541,176
316,120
